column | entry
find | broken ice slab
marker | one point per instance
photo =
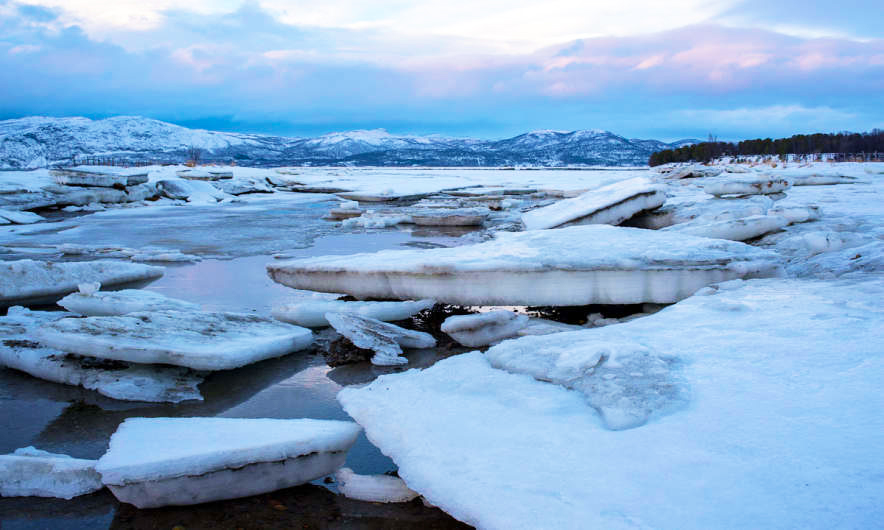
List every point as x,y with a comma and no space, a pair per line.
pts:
193,339
732,229
752,184
30,472
580,265
450,216
205,174
114,379
112,303
611,204
482,329
155,462
190,190
386,340
28,282
99,176
372,488
698,171
311,314
19,218
777,432
243,185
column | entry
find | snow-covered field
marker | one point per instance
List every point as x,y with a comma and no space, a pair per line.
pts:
724,372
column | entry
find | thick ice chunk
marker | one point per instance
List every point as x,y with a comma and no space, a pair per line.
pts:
190,190
205,174
386,340
748,185
20,218
99,176
796,213
817,179
372,488
450,216
482,329
732,229
30,472
696,171
194,339
243,185
111,303
782,427
180,461
28,282
611,204
595,264
311,314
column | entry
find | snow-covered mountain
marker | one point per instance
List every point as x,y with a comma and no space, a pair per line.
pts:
41,141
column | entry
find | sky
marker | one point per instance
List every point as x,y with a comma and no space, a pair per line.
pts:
483,68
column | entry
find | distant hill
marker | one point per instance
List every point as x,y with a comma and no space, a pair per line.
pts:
34,142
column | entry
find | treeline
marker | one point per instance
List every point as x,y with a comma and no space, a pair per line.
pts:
845,144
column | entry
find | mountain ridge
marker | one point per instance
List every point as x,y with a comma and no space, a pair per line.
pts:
40,141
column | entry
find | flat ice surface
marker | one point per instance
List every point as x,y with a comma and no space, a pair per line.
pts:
482,329
311,314
161,448
569,266
194,339
372,488
26,280
112,303
30,472
782,429
386,340
611,204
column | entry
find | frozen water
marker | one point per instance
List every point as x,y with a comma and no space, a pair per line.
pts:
111,303
99,176
372,488
595,264
732,229
30,472
27,282
482,329
610,204
386,340
180,461
747,185
311,314
782,427
194,339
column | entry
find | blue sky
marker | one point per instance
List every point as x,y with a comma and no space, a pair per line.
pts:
492,68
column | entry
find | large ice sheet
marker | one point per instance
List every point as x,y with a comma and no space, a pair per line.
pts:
611,204
162,461
783,428
30,472
386,340
194,339
26,282
113,303
594,264
311,314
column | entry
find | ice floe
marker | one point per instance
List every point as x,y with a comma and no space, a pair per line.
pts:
386,340
372,488
30,472
311,314
732,229
594,264
449,216
748,185
205,174
781,427
19,218
611,204
482,329
93,303
28,282
180,461
100,176
190,190
193,339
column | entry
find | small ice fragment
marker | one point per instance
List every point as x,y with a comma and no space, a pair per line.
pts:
386,340
89,288
30,472
373,488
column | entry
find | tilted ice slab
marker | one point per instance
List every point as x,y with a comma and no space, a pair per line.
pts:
611,204
28,282
30,472
194,339
372,488
180,461
114,379
783,427
311,314
482,329
112,303
19,218
748,185
732,229
99,176
386,340
596,264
